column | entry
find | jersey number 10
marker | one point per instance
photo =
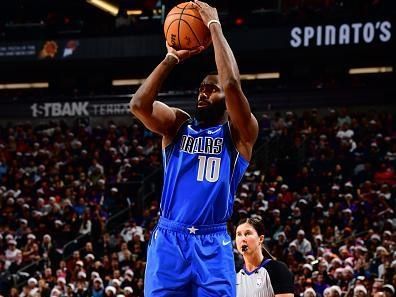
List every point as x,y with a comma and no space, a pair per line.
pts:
208,168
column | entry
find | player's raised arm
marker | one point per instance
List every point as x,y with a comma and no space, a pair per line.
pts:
243,123
157,116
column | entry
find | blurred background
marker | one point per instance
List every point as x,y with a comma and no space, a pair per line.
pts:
77,46
80,177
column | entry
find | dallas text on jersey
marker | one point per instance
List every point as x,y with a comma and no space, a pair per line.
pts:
205,145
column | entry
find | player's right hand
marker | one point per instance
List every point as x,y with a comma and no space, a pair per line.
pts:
184,54
207,12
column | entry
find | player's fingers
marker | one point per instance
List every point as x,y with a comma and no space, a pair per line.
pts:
196,51
195,4
169,48
202,4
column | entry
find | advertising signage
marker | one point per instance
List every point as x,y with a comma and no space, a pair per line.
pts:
358,34
78,109
82,49
65,109
342,34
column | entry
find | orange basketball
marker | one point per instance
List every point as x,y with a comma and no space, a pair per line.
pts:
184,28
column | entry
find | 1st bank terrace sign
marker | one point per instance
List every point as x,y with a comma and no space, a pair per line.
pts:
79,109
341,34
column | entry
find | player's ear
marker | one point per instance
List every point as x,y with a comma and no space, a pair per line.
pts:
261,238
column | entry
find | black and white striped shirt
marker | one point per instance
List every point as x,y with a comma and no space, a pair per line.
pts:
269,279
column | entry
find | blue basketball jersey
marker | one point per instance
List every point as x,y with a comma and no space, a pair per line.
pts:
202,170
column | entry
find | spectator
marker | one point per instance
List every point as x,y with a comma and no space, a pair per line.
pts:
309,293
389,290
302,244
360,291
97,288
11,253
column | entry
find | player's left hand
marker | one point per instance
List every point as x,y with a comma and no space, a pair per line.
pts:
207,12
184,54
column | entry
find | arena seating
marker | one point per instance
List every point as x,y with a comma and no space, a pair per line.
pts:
72,222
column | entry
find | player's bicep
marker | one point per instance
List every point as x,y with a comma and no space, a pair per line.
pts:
241,117
247,129
160,118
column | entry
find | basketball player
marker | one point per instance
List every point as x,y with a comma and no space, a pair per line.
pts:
205,157
261,276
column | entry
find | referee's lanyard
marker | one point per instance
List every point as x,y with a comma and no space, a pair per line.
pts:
265,262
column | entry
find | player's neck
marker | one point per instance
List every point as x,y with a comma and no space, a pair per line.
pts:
253,261
210,120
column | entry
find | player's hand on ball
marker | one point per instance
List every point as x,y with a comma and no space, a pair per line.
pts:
207,12
184,54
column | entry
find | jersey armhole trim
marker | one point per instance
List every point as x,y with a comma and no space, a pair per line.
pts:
177,133
168,150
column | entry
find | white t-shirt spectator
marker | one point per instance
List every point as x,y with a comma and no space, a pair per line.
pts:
11,255
345,134
130,231
304,246
86,227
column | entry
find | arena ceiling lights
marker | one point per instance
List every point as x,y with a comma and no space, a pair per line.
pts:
134,12
112,8
14,86
258,76
371,70
105,6
254,76
127,82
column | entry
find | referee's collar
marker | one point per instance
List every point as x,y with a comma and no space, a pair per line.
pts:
263,263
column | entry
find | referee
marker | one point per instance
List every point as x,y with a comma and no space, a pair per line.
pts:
260,276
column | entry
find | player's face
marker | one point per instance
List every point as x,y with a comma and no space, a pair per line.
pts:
210,93
247,239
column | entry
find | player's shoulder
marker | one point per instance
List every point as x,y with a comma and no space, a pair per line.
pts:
181,114
182,117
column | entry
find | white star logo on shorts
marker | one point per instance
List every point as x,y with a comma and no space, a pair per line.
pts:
192,229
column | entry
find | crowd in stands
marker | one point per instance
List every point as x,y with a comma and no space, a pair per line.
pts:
323,182
59,183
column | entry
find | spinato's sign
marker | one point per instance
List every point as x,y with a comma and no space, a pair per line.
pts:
342,34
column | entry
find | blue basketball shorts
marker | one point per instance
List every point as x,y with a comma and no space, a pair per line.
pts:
185,261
